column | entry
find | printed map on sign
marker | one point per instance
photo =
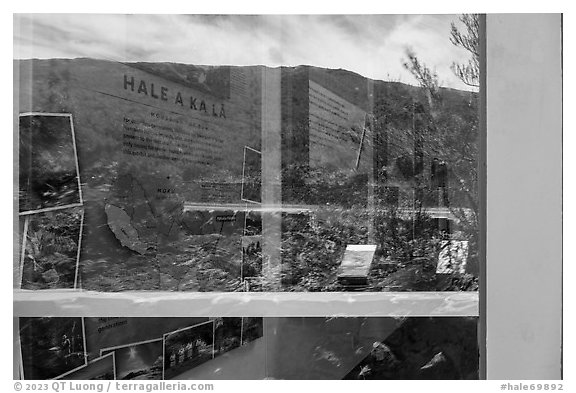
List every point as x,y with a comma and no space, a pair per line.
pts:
141,214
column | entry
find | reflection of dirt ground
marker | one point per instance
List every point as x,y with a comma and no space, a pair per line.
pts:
204,355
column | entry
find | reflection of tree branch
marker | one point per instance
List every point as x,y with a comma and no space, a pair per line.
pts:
469,40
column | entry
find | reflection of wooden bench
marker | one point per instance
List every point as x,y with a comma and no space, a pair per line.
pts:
355,266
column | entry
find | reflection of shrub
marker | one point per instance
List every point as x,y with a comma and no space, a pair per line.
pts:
313,246
320,187
405,166
252,266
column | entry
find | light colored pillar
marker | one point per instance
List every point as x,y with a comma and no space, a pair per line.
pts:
369,151
271,179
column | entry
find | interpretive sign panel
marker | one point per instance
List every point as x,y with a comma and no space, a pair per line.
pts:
252,175
148,145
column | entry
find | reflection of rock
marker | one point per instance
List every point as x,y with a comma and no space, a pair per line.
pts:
382,353
438,359
120,223
365,371
439,367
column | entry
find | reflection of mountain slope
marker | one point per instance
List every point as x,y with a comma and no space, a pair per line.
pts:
184,74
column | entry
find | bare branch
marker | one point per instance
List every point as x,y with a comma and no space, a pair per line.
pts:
470,40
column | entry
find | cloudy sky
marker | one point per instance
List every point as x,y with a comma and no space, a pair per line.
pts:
371,45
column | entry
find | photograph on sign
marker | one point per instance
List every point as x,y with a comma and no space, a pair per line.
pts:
251,269
252,329
23,222
137,361
112,332
48,163
252,175
51,346
187,348
227,334
51,249
102,368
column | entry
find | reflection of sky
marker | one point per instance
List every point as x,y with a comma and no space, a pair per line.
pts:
371,45
137,357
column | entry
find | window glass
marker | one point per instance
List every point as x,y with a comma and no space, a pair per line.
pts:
251,154
253,178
